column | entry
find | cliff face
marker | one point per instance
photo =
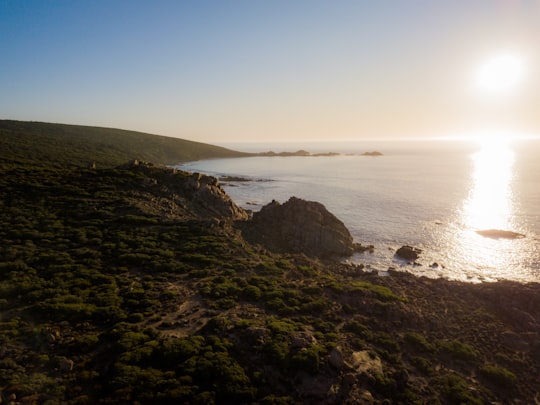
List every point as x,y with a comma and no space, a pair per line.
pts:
207,194
175,194
300,226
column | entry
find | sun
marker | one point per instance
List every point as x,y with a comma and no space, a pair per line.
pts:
499,74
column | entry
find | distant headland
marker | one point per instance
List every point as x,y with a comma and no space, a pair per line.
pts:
309,154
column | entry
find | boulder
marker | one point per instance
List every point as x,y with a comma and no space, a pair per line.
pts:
335,358
300,226
302,340
408,253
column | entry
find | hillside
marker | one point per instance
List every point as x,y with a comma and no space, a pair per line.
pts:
40,143
135,285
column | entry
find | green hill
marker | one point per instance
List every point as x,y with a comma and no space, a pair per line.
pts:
75,145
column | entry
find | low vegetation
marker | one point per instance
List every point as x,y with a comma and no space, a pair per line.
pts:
106,301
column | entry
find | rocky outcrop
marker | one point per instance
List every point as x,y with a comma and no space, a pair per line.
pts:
207,192
408,253
175,194
300,226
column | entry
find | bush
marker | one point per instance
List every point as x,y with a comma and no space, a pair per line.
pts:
252,293
383,293
419,342
498,375
422,364
357,328
456,390
87,341
458,350
307,359
135,317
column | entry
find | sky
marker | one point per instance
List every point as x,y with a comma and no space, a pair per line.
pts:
276,70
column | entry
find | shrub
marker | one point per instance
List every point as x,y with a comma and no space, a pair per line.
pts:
357,328
383,293
87,341
307,359
458,350
282,327
419,342
135,317
498,375
422,364
386,341
278,351
456,390
252,293
276,400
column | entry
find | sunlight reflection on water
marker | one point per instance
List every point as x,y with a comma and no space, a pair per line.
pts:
490,206
490,202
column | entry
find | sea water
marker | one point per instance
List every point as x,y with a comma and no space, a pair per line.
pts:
434,195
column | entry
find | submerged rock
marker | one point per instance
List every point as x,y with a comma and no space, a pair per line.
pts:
500,234
300,226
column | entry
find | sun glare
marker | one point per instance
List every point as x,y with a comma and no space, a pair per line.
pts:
500,73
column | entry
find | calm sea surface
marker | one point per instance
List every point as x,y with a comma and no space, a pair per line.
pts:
433,195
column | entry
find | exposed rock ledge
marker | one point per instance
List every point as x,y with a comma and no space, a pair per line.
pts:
300,226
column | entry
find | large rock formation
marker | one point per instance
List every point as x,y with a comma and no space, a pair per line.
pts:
300,226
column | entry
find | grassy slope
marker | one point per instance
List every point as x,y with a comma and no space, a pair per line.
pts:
35,142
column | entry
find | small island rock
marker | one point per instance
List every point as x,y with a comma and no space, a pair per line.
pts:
500,234
408,253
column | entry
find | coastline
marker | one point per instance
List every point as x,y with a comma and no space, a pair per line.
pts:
391,211
136,283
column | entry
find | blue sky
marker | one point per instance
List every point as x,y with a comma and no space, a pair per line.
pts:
219,71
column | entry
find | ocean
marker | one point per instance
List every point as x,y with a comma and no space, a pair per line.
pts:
434,195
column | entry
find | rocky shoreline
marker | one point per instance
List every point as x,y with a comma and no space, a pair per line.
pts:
147,284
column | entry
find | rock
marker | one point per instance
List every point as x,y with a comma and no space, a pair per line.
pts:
408,253
174,193
335,358
359,248
365,397
349,379
300,226
301,340
500,234
207,192
66,365
366,362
